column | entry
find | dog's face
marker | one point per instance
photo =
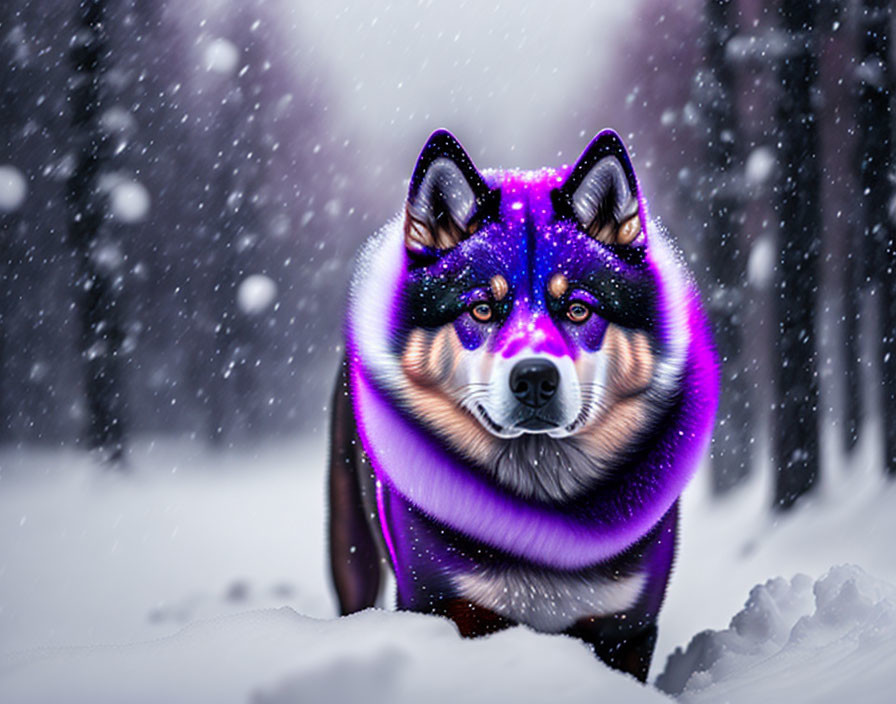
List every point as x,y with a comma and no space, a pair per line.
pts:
530,324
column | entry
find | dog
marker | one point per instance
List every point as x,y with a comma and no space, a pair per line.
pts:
529,383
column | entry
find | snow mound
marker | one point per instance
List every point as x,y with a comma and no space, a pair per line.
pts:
278,656
797,642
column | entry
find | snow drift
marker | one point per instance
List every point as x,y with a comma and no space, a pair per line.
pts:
280,657
796,642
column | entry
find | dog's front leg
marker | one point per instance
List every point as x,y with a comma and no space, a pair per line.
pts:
354,559
629,649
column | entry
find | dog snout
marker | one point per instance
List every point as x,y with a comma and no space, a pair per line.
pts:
534,382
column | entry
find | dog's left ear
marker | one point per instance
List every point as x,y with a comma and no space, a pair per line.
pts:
601,193
447,199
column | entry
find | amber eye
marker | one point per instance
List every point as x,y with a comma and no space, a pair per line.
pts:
578,312
481,312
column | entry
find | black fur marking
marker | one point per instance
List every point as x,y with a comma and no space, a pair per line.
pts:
443,145
433,300
630,303
628,300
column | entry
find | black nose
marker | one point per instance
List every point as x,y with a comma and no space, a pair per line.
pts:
534,382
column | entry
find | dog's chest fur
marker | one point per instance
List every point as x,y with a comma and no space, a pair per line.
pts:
549,601
445,565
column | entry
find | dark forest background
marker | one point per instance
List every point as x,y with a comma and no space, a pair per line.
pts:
227,140
179,219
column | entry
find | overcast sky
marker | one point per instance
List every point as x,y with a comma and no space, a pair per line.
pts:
509,79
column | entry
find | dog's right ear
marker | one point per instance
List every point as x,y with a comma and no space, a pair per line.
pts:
448,198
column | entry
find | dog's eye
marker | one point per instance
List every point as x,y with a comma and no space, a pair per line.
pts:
578,312
481,312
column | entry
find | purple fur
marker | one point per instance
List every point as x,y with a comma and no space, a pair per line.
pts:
572,530
410,463
615,517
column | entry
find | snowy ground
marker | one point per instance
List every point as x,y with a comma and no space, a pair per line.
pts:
201,577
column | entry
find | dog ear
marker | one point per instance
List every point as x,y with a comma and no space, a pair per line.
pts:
447,199
601,193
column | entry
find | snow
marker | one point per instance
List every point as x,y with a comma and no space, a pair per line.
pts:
761,264
118,120
845,623
766,44
760,166
256,293
233,545
13,188
201,576
872,71
668,118
729,546
107,257
279,656
135,556
129,201
221,56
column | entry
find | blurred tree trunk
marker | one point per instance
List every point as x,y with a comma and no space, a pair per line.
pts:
724,253
888,357
98,280
239,180
854,279
795,421
223,401
232,391
9,223
875,180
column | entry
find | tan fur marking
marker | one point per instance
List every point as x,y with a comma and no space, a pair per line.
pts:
434,361
629,230
449,351
461,428
611,233
615,428
606,234
430,361
415,359
417,234
557,285
499,287
449,237
631,366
